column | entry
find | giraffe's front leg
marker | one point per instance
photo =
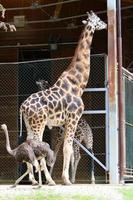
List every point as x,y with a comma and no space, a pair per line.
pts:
67,151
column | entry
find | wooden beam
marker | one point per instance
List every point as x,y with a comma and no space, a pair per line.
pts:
128,1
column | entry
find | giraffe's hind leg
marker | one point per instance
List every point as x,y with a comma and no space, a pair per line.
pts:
92,168
58,143
88,140
75,158
68,149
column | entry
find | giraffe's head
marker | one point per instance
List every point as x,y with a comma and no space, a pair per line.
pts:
94,22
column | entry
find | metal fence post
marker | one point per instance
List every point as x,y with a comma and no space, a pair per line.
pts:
113,104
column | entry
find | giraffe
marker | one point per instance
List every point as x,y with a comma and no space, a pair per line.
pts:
83,134
61,104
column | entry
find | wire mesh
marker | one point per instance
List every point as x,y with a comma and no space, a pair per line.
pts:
18,81
128,94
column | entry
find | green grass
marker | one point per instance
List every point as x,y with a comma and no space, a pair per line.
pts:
52,197
127,193
40,195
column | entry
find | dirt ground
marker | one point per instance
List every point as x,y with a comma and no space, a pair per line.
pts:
98,190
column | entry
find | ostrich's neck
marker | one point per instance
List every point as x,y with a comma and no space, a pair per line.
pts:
8,147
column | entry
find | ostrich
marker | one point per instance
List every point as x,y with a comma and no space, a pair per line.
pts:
83,134
30,152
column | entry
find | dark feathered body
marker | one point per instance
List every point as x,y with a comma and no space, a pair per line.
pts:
24,153
30,151
42,149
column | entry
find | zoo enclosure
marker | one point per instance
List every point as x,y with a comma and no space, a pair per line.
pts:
18,81
128,107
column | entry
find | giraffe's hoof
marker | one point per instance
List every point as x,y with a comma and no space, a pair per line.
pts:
39,186
93,182
72,181
51,183
35,183
67,183
13,186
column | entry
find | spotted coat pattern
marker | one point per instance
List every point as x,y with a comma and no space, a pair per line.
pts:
83,134
61,104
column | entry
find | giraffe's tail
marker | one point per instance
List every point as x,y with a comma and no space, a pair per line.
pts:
21,114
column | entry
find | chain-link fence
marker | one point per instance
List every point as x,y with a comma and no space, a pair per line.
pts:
128,96
18,81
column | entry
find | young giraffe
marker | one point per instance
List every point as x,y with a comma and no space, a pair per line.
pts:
83,134
61,104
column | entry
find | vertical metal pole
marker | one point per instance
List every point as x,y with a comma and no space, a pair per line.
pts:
113,104
107,111
120,96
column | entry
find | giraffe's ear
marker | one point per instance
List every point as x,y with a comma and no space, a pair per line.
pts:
84,22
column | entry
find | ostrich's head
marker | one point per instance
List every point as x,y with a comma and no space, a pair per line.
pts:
42,84
4,126
94,22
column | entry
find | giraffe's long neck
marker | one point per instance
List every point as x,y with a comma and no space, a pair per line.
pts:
82,51
78,71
